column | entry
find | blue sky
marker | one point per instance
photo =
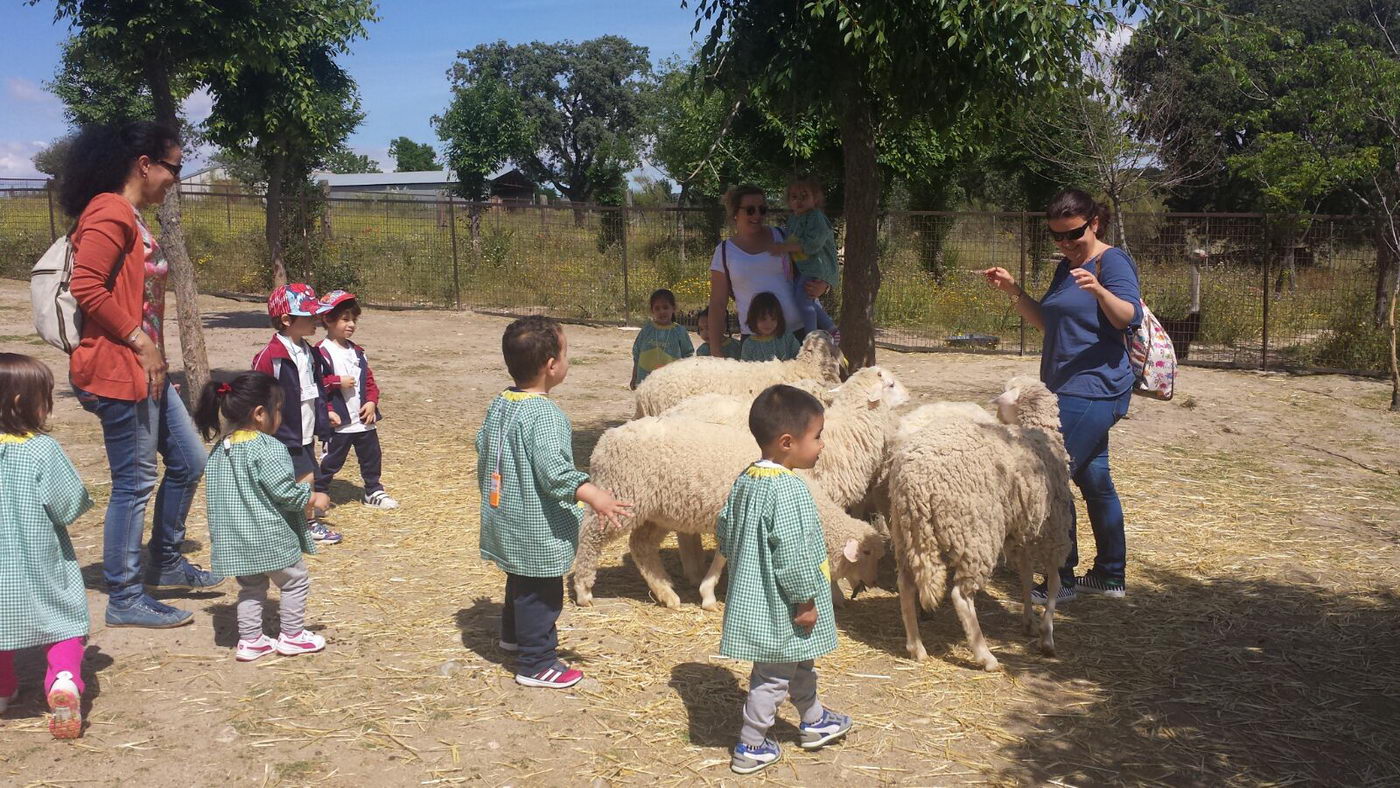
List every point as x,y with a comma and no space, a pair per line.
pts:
401,68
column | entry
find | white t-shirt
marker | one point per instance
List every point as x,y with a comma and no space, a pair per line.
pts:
346,363
751,274
306,374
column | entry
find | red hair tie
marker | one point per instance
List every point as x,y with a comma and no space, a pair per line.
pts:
223,389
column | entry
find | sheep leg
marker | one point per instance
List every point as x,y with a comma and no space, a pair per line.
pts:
838,597
585,569
962,602
1028,585
1047,618
909,611
692,552
707,585
645,544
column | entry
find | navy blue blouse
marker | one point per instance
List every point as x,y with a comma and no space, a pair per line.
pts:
1084,354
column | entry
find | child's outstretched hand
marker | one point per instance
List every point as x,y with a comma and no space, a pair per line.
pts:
320,501
611,510
335,418
806,616
369,413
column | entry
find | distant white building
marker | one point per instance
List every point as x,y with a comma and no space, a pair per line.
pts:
208,180
507,183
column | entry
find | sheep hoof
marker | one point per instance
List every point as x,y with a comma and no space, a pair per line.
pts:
712,606
916,652
991,665
583,598
1033,628
670,600
1047,648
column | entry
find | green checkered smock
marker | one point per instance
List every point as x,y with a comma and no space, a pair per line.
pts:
257,511
534,530
783,348
818,256
770,532
656,346
731,349
42,600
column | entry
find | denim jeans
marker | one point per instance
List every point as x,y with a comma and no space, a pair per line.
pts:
814,317
1085,424
133,433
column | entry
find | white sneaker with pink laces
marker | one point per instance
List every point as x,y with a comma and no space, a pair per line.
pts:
303,642
249,650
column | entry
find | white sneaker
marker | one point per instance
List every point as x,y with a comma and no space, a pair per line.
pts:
303,642
5,702
380,500
249,650
66,706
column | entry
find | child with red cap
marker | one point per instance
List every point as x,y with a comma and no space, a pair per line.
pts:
352,400
293,309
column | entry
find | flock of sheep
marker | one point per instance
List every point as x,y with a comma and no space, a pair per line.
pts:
950,486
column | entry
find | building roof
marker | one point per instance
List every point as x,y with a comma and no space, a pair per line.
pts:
382,179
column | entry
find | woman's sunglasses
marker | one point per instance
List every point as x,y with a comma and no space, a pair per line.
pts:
174,168
1071,235
761,210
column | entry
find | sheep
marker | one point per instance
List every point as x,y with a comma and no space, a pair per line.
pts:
963,488
677,472
818,360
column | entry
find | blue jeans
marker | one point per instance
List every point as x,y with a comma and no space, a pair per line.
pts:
814,317
1085,424
133,433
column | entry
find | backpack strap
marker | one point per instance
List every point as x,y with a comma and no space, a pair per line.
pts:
724,260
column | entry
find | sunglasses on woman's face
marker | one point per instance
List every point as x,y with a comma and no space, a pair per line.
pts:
1071,235
761,210
174,168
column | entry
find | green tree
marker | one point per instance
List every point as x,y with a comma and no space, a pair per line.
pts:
875,67
50,160
410,156
481,129
95,90
343,161
584,104
290,106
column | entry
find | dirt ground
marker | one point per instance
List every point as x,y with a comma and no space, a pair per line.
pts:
1259,643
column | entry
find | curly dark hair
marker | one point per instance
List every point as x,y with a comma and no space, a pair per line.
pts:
101,157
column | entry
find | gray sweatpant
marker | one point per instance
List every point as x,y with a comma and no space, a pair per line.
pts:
295,583
770,684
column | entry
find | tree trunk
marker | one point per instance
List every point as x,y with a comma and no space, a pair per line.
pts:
172,239
1120,226
1387,273
273,224
1394,360
861,280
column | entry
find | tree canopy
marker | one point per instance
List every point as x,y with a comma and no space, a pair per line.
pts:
410,156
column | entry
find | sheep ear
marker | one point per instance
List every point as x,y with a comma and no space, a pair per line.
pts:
851,551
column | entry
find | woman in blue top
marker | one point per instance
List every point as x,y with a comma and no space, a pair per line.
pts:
1092,301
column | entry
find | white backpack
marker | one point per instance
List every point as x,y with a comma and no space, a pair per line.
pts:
57,318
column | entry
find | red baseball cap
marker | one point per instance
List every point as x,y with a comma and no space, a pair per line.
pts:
296,299
335,298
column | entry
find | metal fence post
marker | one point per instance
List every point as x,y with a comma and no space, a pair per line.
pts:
626,284
228,211
1021,277
452,229
1264,294
53,228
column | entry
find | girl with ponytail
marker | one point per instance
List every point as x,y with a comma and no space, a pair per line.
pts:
256,529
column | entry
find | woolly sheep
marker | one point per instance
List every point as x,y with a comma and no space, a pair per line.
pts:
961,488
677,472
818,360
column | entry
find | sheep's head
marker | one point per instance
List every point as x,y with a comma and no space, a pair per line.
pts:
820,350
875,386
1028,403
859,562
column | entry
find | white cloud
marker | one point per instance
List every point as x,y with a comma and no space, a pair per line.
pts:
28,91
198,105
15,159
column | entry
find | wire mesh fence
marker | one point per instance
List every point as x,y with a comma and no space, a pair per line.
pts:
1231,288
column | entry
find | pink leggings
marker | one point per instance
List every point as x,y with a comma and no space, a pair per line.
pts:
63,655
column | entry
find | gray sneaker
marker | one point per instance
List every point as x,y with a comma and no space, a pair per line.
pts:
747,760
183,575
824,731
1091,582
148,613
1067,594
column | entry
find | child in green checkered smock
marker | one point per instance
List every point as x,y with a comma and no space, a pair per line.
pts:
42,598
729,347
257,524
770,339
661,341
530,498
778,611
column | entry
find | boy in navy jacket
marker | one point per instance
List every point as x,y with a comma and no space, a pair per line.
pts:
293,309
352,399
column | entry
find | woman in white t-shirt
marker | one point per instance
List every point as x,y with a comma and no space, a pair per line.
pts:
748,263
